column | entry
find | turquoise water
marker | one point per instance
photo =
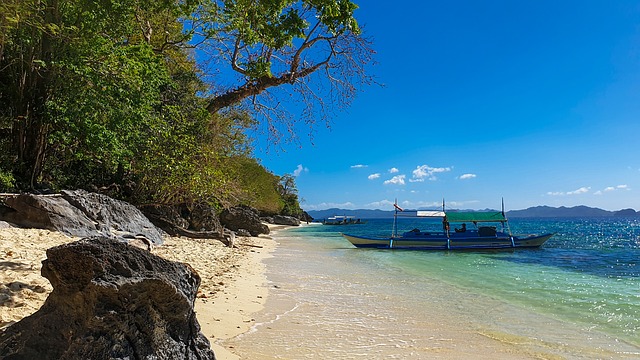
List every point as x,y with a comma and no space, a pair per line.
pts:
577,297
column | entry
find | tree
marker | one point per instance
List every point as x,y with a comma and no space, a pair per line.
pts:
311,50
95,92
87,85
289,194
260,187
70,85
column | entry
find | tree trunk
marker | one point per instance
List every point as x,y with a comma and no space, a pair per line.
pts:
249,89
31,129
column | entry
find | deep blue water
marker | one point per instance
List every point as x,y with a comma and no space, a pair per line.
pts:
599,246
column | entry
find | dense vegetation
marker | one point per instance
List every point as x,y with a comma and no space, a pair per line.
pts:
152,99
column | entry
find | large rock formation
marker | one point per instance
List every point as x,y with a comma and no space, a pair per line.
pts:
286,220
79,213
47,212
243,217
194,217
111,301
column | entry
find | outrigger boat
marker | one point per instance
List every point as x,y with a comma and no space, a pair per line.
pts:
483,236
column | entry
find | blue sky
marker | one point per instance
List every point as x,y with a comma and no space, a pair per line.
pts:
536,102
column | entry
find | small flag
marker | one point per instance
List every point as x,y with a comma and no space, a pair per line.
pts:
398,207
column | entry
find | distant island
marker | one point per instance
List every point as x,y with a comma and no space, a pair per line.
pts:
532,212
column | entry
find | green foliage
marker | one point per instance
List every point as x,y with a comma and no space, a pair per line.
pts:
337,15
289,193
268,26
95,93
6,181
191,161
259,186
102,115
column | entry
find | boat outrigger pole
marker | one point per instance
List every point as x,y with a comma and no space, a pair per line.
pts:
394,231
445,225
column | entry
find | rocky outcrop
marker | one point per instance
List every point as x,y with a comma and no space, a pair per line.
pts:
195,217
115,217
160,214
111,301
306,217
176,221
243,217
47,212
286,220
79,213
201,217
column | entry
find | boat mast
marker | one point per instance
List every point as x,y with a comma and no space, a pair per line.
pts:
445,225
394,230
504,216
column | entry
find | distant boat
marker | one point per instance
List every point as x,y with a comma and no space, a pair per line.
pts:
343,220
484,235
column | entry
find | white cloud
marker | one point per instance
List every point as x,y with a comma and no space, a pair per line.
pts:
582,190
467,176
373,176
359,166
397,180
299,170
323,206
427,172
461,204
612,188
393,170
383,204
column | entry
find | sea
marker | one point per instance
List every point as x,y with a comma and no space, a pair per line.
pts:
577,297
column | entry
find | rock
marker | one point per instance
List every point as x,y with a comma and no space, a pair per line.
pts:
201,217
111,301
267,219
306,217
79,213
196,217
169,219
115,217
243,232
243,217
5,225
286,220
158,214
48,212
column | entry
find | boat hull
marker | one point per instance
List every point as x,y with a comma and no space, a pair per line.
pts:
455,242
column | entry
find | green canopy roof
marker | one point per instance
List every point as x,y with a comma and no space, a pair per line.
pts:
486,216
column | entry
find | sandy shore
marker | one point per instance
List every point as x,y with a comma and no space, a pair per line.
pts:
233,280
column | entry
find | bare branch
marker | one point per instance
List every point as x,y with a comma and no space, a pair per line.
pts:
234,58
322,71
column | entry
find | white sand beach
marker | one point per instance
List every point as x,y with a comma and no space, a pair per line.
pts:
233,279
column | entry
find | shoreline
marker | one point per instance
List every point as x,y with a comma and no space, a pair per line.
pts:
229,312
233,280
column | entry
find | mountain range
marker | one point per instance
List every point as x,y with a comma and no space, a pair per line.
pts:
532,212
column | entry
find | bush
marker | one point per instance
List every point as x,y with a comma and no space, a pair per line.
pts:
7,182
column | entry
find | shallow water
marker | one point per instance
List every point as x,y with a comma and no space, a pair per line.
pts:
576,298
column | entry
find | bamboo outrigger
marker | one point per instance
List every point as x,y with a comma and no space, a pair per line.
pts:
484,235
